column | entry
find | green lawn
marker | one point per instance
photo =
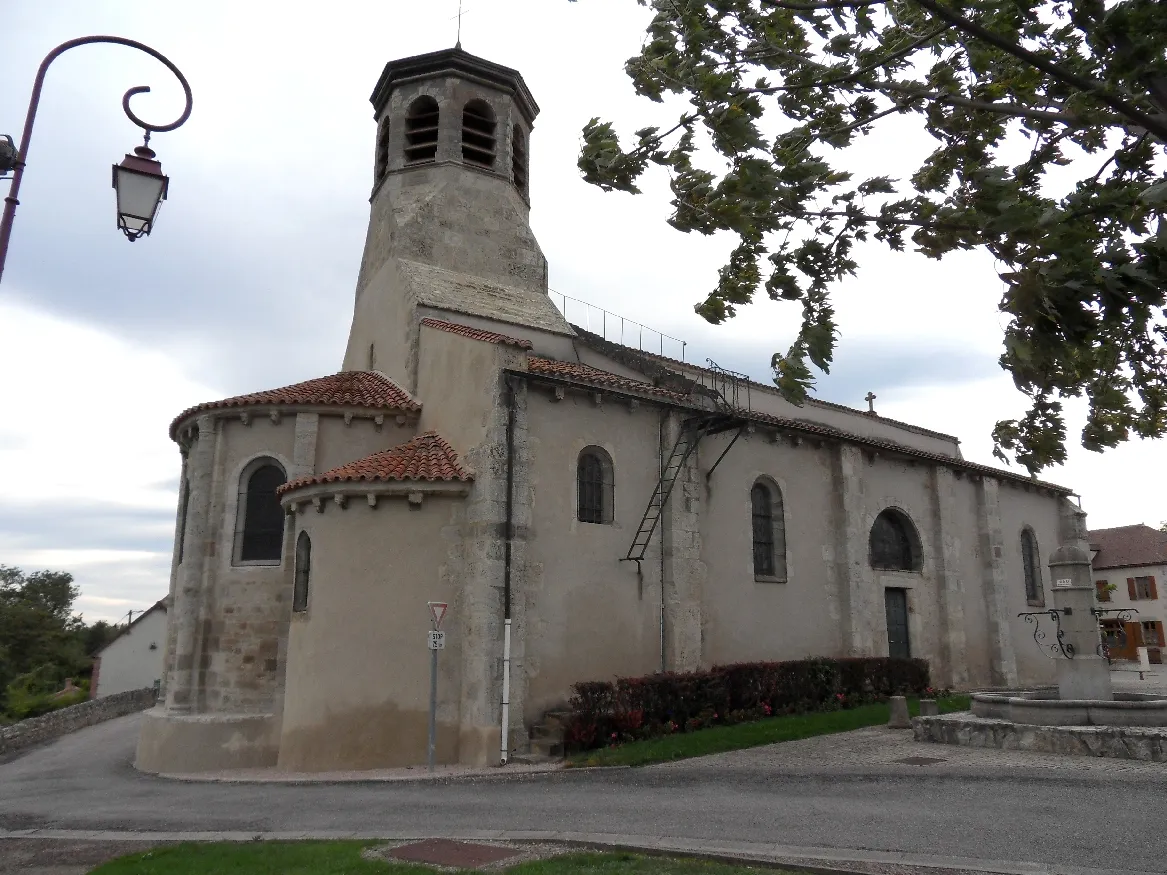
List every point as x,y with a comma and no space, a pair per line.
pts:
722,738
344,858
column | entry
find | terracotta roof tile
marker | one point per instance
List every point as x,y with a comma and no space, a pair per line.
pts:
346,389
476,333
587,374
1128,546
428,456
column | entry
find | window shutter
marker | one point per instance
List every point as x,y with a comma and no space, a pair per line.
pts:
1131,590
1154,588
1159,633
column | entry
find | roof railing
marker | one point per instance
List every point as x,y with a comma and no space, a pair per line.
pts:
627,332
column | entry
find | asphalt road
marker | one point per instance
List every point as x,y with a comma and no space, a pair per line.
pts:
1087,818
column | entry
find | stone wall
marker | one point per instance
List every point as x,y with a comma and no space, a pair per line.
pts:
65,720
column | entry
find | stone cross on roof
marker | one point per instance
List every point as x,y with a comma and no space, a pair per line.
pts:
870,399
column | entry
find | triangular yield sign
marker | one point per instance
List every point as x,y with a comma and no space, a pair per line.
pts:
437,611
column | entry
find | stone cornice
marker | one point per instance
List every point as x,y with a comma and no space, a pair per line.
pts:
341,494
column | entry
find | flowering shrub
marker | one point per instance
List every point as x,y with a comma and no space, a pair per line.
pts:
607,712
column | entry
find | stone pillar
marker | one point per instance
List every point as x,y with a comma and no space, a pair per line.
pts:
304,447
1087,675
953,643
199,546
1002,660
856,582
684,572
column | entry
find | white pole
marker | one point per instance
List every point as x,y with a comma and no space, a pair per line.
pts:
506,688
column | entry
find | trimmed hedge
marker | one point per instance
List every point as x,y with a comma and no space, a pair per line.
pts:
627,709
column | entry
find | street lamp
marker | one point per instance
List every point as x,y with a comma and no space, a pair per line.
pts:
138,180
141,189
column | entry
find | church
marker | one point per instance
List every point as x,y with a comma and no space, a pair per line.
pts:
584,508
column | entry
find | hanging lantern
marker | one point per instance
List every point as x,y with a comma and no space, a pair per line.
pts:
141,188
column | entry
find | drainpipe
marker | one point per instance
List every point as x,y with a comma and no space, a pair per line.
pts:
508,534
660,440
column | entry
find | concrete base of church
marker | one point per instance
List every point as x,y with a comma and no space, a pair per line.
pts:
206,742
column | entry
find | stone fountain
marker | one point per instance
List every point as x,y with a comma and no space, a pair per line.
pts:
1082,714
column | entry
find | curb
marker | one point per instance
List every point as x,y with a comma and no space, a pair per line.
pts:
816,860
498,773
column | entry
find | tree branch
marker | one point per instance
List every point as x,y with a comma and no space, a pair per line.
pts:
821,4
1093,87
1009,109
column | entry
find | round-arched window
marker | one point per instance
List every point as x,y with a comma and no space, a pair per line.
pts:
893,543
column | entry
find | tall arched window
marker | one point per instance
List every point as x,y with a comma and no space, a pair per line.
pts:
519,158
478,133
1031,568
421,131
893,543
303,571
259,526
593,476
769,531
184,506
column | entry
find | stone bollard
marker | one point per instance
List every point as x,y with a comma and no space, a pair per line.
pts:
899,713
929,708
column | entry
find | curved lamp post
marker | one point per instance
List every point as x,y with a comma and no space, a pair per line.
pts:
139,181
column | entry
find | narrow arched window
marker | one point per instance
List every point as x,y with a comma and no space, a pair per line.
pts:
519,158
893,543
769,531
382,161
1031,568
421,131
260,519
594,486
303,571
184,505
478,133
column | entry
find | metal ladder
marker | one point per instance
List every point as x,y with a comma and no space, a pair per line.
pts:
692,431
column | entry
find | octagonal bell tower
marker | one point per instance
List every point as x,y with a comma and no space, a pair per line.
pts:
448,228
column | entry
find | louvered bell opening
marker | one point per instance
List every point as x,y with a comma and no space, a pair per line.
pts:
478,134
519,158
421,131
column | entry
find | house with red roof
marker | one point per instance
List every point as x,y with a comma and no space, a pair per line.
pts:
1130,567
583,507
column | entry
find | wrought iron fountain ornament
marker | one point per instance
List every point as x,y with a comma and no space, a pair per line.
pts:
1066,649
139,181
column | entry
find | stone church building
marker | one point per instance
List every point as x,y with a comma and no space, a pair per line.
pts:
586,509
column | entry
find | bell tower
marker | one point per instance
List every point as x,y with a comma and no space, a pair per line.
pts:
448,227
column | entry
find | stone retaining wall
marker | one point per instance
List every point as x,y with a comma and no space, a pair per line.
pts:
1120,742
65,720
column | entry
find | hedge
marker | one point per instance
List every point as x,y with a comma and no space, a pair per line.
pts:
610,712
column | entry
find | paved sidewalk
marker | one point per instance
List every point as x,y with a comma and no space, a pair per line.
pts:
813,859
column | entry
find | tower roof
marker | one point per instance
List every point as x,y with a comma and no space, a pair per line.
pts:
457,62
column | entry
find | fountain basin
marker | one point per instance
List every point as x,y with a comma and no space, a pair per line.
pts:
1042,707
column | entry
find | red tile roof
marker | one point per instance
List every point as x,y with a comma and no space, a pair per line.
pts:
428,456
1128,546
476,333
587,374
346,389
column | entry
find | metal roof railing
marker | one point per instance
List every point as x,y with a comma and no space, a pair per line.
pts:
619,329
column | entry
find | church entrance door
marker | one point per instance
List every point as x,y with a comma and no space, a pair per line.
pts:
896,602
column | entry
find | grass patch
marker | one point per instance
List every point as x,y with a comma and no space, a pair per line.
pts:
344,858
718,739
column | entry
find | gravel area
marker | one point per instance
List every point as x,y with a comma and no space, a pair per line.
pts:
61,856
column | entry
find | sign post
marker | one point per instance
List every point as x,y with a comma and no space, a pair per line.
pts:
436,640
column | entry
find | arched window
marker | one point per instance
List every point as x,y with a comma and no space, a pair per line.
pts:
478,133
519,158
382,160
594,486
259,527
421,131
303,571
184,505
1031,568
769,531
893,545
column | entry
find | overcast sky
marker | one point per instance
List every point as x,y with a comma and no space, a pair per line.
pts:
248,279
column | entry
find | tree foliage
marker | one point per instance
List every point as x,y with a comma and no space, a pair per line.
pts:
42,642
775,87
